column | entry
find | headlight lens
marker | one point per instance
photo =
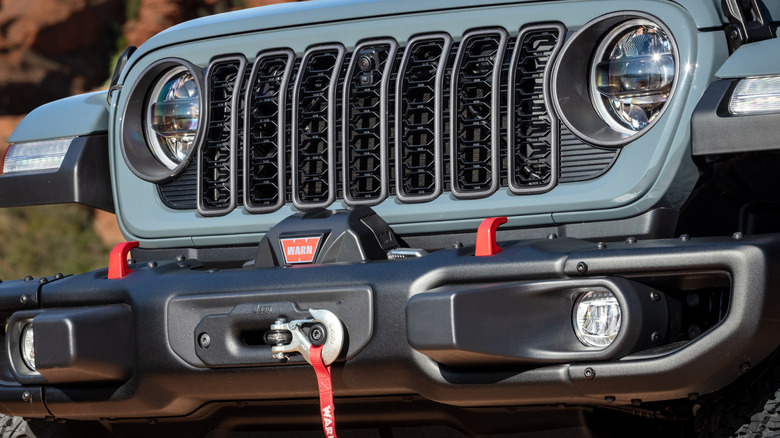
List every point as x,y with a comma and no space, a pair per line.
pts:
173,116
597,318
28,346
633,75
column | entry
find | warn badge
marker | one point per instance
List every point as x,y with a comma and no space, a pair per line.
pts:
300,249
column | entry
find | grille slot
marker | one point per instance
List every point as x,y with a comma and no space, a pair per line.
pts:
365,138
533,129
475,114
217,193
314,127
264,155
419,118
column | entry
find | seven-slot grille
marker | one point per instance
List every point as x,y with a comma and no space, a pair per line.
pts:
466,117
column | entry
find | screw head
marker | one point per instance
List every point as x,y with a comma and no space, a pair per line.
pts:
631,240
457,245
204,340
24,299
552,236
656,337
26,397
582,268
590,373
601,245
317,335
42,280
655,296
685,237
737,235
609,399
180,258
28,278
151,265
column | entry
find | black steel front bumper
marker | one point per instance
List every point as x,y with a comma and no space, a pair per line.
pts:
450,327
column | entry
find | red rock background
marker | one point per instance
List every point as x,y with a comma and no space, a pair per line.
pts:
50,49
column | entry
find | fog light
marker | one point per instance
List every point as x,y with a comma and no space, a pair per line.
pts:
28,346
597,318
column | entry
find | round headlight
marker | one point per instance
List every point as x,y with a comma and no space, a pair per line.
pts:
161,123
28,346
597,318
173,116
632,76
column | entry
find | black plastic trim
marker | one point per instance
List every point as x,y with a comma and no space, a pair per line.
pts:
529,323
746,334
224,317
715,131
83,178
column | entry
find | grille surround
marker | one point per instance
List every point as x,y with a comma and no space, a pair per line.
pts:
386,144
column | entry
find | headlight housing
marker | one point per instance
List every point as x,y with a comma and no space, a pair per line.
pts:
162,122
632,75
615,77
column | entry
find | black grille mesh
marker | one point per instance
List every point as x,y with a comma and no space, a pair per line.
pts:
533,131
475,113
365,122
217,154
414,121
418,107
265,134
314,132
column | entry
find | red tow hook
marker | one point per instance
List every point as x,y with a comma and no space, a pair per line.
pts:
486,237
117,260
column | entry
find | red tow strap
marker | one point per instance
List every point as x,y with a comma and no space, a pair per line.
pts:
326,391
